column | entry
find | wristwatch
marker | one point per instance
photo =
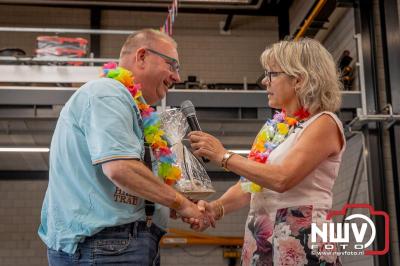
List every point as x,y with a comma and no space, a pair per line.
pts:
225,159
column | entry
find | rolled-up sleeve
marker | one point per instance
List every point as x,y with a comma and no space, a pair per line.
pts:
108,127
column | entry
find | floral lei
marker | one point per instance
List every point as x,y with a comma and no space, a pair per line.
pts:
271,135
153,134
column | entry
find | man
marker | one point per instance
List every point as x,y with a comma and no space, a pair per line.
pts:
93,211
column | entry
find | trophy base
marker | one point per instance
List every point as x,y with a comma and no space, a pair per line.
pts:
197,195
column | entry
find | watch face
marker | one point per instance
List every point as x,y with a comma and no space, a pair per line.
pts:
225,159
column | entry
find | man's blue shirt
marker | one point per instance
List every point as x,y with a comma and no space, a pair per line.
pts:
99,123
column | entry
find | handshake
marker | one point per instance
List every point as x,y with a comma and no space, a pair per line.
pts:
200,215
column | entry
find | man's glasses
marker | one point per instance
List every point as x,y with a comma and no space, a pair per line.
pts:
270,74
172,62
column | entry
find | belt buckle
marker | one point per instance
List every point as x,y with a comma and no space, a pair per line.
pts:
149,221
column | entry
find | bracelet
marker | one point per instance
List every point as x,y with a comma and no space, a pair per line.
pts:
225,159
220,210
177,204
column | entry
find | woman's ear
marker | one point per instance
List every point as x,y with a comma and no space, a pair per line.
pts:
298,82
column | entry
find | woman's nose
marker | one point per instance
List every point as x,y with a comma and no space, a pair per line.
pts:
265,82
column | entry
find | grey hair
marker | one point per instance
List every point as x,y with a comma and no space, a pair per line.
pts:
145,38
309,60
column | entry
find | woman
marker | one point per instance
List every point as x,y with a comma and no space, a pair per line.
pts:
294,160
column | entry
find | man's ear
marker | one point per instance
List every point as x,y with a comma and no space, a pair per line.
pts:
140,57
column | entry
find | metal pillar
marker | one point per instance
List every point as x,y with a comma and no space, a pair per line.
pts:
364,21
391,56
95,23
283,20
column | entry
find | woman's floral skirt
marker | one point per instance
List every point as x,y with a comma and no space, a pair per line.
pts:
286,240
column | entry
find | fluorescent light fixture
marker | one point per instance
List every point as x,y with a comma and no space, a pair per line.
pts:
241,151
12,149
218,1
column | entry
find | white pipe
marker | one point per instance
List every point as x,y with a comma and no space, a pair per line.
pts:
361,75
56,59
11,149
61,30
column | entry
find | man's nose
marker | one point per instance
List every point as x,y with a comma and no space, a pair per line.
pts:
176,78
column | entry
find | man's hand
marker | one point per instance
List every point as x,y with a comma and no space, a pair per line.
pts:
191,214
173,214
207,220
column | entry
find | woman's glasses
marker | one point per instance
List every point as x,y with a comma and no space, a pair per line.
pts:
270,74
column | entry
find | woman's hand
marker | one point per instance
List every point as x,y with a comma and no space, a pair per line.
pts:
209,217
205,145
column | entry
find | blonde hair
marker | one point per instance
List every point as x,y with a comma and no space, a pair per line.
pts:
145,38
309,60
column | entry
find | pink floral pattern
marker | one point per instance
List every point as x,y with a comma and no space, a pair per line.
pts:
290,253
282,242
257,248
300,221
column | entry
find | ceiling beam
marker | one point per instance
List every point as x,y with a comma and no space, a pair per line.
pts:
256,8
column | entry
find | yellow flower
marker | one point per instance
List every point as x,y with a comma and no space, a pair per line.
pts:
175,173
283,129
139,94
125,76
159,141
255,188
262,136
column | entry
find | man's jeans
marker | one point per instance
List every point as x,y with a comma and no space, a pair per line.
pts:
130,244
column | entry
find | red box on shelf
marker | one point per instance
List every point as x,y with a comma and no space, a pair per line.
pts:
55,46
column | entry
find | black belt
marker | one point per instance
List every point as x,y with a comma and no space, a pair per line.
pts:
135,227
